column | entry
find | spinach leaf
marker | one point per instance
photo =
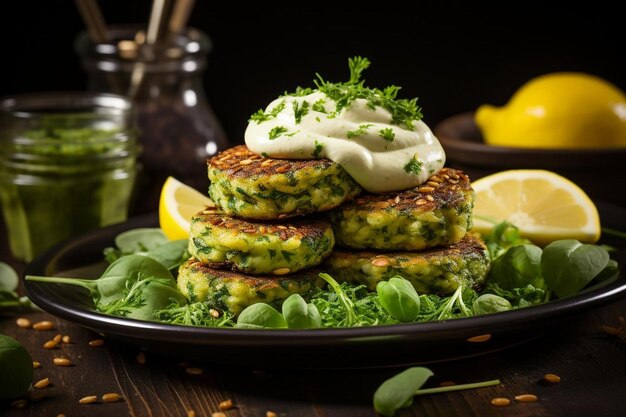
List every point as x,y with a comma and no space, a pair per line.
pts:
504,235
16,368
261,316
519,297
568,265
300,315
113,282
8,278
140,240
9,299
399,298
398,391
171,254
517,267
490,303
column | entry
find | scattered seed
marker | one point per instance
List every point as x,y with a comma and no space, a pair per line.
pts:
88,400
57,339
36,364
447,383
526,398
246,162
141,358
42,383
43,325
270,414
430,198
282,169
62,362
433,184
552,378
397,199
191,413
380,262
19,404
23,323
67,339
281,271
426,189
226,405
194,371
267,162
111,397
50,344
214,313
281,227
60,415
96,342
500,402
262,229
420,202
218,414
480,338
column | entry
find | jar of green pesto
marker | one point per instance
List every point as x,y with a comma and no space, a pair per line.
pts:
67,166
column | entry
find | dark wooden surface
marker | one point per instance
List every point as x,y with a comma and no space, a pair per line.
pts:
591,362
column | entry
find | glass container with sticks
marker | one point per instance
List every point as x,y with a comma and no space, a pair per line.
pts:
161,69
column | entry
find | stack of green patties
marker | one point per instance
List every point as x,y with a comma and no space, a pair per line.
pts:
256,245
269,232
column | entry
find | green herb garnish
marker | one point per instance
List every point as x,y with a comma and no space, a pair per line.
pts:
360,131
276,132
387,134
318,149
413,166
318,106
300,110
261,116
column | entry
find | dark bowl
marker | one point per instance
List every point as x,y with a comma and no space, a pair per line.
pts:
600,172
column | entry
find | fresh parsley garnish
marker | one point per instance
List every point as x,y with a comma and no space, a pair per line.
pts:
319,106
404,112
277,131
261,116
300,110
387,134
413,166
318,149
360,131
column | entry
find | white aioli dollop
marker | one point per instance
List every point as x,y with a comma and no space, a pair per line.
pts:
378,165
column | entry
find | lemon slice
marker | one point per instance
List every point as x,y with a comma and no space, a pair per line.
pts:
544,205
177,205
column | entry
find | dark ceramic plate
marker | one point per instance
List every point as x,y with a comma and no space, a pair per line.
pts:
324,348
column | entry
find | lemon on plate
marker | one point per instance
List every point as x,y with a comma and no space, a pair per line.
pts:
177,205
544,205
564,110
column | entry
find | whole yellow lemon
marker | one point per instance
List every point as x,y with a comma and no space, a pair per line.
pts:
558,110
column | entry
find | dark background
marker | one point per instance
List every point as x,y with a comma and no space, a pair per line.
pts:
453,57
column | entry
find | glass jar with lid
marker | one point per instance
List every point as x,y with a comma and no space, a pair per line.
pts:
67,166
178,128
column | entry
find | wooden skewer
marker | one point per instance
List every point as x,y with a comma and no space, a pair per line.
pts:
94,21
180,17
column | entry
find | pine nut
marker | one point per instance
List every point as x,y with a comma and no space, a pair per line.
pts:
191,413
23,323
226,405
67,339
480,338
19,404
380,262
62,362
43,325
50,344
42,383
111,397
88,400
526,398
218,414
500,402
194,371
96,342
281,271
270,414
552,378
36,364
214,313
57,339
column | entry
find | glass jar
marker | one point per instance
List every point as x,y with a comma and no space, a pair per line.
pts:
178,129
67,166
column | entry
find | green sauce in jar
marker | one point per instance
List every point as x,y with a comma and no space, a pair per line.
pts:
67,166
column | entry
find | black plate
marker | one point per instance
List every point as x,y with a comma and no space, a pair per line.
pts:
324,348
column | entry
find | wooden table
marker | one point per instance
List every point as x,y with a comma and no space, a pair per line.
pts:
591,363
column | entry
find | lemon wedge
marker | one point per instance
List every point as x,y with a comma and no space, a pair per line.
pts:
544,205
177,205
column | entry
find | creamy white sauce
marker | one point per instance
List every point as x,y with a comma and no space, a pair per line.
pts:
378,165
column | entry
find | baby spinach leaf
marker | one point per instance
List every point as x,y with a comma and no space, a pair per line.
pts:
171,254
140,240
517,267
503,236
398,391
568,265
16,368
399,298
300,315
8,278
261,316
490,303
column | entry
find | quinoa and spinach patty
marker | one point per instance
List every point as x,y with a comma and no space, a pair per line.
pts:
233,291
436,213
257,247
434,271
248,185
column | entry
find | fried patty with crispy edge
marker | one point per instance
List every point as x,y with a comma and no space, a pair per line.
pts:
251,186
434,271
255,247
231,291
436,213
